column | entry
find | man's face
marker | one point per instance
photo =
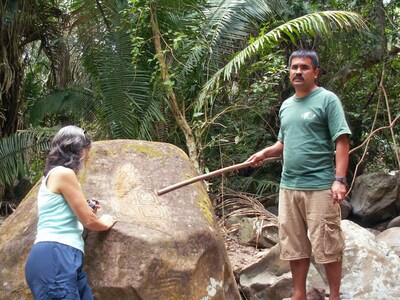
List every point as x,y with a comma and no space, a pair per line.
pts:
302,73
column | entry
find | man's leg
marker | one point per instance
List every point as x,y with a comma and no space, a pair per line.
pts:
334,274
326,237
294,242
299,270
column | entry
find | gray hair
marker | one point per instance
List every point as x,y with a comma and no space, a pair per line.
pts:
305,53
66,148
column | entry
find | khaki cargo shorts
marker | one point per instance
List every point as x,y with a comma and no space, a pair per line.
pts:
309,222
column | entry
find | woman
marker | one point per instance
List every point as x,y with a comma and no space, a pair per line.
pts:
54,266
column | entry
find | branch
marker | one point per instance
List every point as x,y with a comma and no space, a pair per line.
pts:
367,140
354,69
179,116
382,87
373,133
103,15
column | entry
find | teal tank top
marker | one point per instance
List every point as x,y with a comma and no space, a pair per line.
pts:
57,222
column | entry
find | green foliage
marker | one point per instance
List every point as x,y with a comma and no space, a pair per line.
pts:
354,68
37,166
16,153
250,127
360,96
74,102
258,89
227,67
322,23
116,100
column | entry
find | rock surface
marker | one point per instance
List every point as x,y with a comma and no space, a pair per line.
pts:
371,269
376,198
391,237
162,247
394,223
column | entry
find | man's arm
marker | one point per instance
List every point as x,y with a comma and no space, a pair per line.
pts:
274,150
342,161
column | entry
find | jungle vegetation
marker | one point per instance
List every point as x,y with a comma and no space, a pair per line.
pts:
206,75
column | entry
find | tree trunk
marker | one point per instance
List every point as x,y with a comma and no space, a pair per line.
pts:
10,90
191,144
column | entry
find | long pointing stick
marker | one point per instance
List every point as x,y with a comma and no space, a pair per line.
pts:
211,174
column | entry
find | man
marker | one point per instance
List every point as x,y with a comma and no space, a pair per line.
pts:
313,182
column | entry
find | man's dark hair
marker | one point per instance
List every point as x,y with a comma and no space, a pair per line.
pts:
305,53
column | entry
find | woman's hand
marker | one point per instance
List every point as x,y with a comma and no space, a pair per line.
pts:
108,220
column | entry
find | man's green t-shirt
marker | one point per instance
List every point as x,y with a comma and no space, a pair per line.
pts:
309,128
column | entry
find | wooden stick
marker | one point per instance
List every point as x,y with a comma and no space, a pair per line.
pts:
211,174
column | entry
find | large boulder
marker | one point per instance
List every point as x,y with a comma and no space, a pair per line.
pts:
370,269
162,247
270,278
376,198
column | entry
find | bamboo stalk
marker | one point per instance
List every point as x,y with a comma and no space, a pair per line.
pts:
210,175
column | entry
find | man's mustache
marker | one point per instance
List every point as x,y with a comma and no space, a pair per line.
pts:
298,77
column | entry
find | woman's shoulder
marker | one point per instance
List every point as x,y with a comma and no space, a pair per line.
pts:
61,171
58,178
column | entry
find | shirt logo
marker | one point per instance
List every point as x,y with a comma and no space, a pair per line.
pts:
308,115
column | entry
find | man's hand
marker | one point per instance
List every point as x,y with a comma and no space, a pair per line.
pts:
256,159
338,191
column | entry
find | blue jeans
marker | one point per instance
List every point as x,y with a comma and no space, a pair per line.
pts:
54,271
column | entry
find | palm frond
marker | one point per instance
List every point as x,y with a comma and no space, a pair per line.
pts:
266,185
227,24
146,128
232,20
16,151
321,23
124,87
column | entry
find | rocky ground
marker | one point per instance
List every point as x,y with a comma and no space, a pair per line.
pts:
239,255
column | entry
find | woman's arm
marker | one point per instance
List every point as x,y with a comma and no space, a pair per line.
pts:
63,181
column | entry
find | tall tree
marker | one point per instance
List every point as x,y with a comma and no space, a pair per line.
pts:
22,23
